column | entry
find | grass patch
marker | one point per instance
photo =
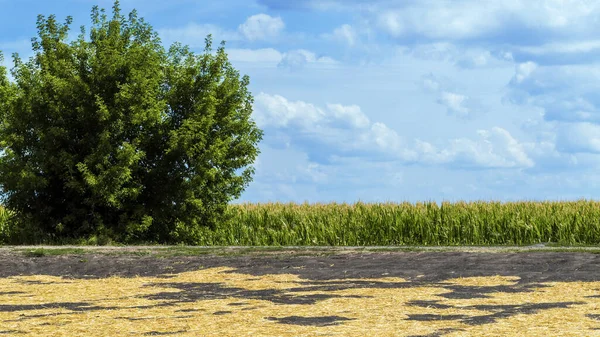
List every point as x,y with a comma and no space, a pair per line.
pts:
40,252
476,223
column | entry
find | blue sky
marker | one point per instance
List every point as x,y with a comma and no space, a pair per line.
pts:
390,100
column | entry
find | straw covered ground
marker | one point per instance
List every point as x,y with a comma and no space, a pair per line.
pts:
430,294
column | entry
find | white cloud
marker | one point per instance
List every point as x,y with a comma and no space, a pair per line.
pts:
346,34
564,92
431,83
334,129
560,51
292,60
475,60
455,103
463,56
471,19
548,158
461,20
276,111
351,114
256,27
444,51
572,109
346,130
290,175
383,138
292,166
507,56
261,27
561,146
523,71
496,148
578,137
507,146
298,59
566,47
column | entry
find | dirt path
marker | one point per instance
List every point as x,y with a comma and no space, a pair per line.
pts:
286,293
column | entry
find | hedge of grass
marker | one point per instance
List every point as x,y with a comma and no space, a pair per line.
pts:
383,224
423,223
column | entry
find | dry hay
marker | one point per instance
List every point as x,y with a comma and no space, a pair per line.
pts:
221,302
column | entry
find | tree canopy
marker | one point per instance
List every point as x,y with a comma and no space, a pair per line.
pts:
111,134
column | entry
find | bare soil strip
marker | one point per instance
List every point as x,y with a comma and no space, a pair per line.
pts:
479,249
440,293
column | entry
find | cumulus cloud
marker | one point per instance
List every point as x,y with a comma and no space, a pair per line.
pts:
350,114
560,51
461,20
548,158
289,166
287,175
380,137
463,56
467,19
339,130
571,109
298,59
278,112
558,32
336,123
255,28
495,148
563,47
559,146
456,104
261,27
578,137
345,34
464,20
523,71
475,59
335,129
564,92
291,60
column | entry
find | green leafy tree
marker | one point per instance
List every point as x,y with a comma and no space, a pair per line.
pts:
113,135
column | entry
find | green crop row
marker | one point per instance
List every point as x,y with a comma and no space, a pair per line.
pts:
382,224
4,218
423,223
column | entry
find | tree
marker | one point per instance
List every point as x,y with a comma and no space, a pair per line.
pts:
114,135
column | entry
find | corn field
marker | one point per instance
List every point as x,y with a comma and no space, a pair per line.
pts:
423,223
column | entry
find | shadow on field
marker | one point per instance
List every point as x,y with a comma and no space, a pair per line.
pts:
319,279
